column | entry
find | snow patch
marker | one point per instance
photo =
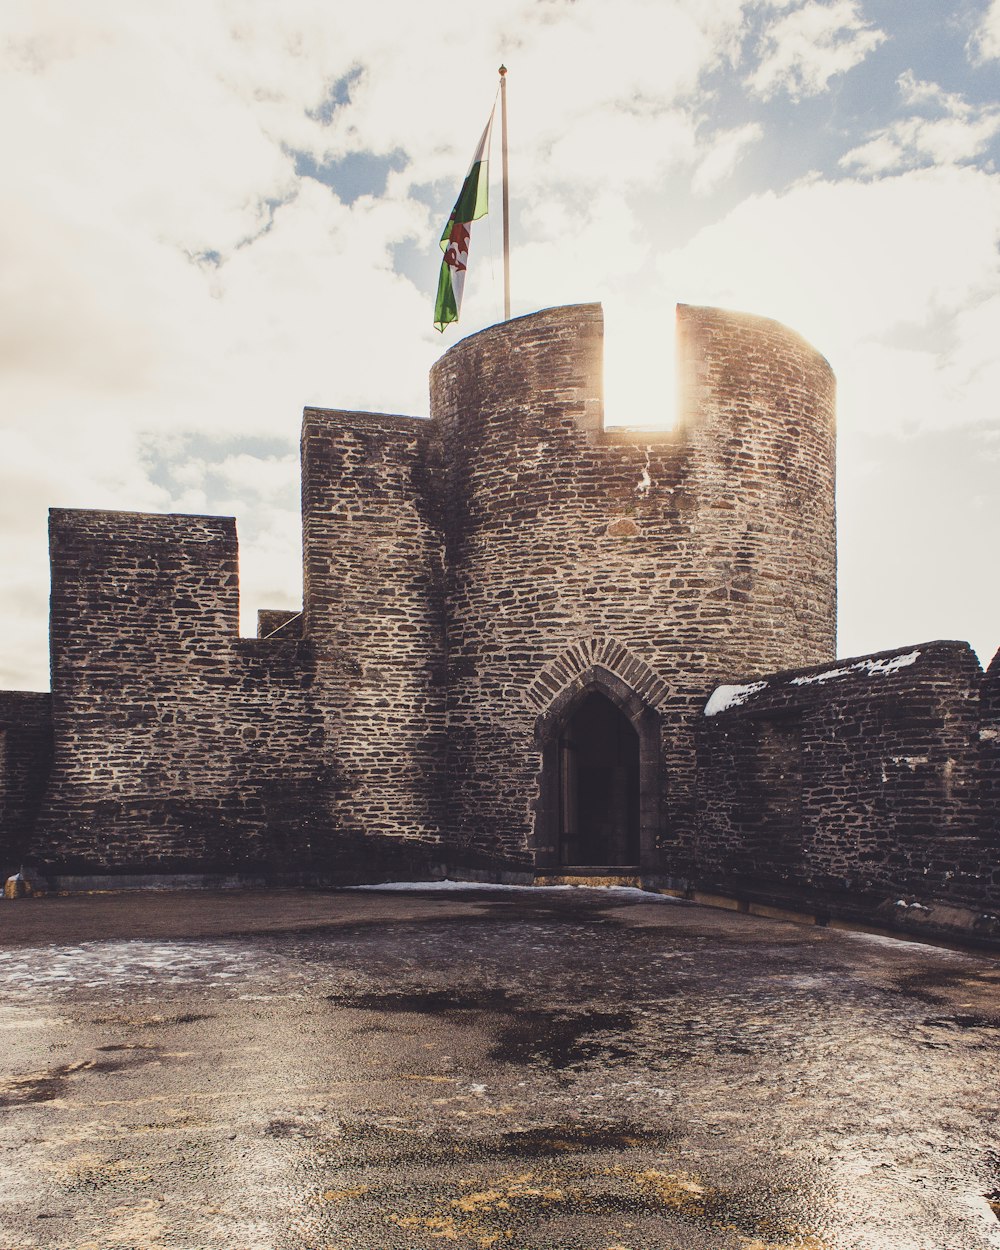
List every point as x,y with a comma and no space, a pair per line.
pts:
901,943
874,668
447,884
724,697
829,675
622,891
123,964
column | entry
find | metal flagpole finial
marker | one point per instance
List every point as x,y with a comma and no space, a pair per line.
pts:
503,70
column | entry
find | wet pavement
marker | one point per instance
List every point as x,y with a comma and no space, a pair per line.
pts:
521,1069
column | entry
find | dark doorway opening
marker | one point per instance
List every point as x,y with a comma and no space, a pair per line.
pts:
598,786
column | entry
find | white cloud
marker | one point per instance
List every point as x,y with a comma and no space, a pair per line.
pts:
179,142
985,42
265,476
808,46
918,141
855,266
636,148
917,91
166,276
960,133
724,154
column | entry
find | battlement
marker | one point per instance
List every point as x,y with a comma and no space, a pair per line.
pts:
551,362
140,575
513,619
548,363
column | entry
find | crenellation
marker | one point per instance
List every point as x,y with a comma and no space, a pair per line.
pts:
512,625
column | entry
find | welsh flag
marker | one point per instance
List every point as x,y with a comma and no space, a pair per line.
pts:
472,203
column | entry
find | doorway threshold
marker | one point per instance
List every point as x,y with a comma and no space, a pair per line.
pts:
591,875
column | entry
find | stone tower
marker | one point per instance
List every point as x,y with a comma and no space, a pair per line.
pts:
600,582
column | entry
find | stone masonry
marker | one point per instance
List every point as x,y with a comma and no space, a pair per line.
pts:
864,777
513,624
700,552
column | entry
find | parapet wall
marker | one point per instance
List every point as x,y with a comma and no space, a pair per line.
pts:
179,747
861,779
989,755
25,761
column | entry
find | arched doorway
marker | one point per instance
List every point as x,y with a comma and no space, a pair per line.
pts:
598,790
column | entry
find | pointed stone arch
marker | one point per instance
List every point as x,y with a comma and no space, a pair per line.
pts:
568,683
607,654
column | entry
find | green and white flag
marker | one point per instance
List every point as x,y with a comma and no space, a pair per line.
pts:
472,203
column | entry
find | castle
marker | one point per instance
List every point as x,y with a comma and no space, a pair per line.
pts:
530,648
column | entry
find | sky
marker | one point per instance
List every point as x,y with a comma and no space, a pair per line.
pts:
217,212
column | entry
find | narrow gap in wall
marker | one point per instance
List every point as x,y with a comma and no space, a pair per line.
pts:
640,365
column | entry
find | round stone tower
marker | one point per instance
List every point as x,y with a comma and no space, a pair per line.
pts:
601,582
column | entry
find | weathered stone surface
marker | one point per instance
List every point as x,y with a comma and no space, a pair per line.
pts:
374,614
25,760
271,622
178,745
989,761
862,776
468,582
731,566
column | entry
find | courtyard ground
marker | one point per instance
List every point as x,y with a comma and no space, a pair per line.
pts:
521,1069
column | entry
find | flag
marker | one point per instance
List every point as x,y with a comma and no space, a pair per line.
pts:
472,203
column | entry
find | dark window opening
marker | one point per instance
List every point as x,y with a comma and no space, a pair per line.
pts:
598,786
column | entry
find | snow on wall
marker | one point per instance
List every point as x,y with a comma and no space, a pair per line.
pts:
873,668
725,697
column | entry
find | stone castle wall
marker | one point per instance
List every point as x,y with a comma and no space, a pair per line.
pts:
25,761
467,581
989,756
178,745
861,778
373,611
703,551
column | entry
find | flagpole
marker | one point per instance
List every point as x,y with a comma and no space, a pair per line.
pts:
506,198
